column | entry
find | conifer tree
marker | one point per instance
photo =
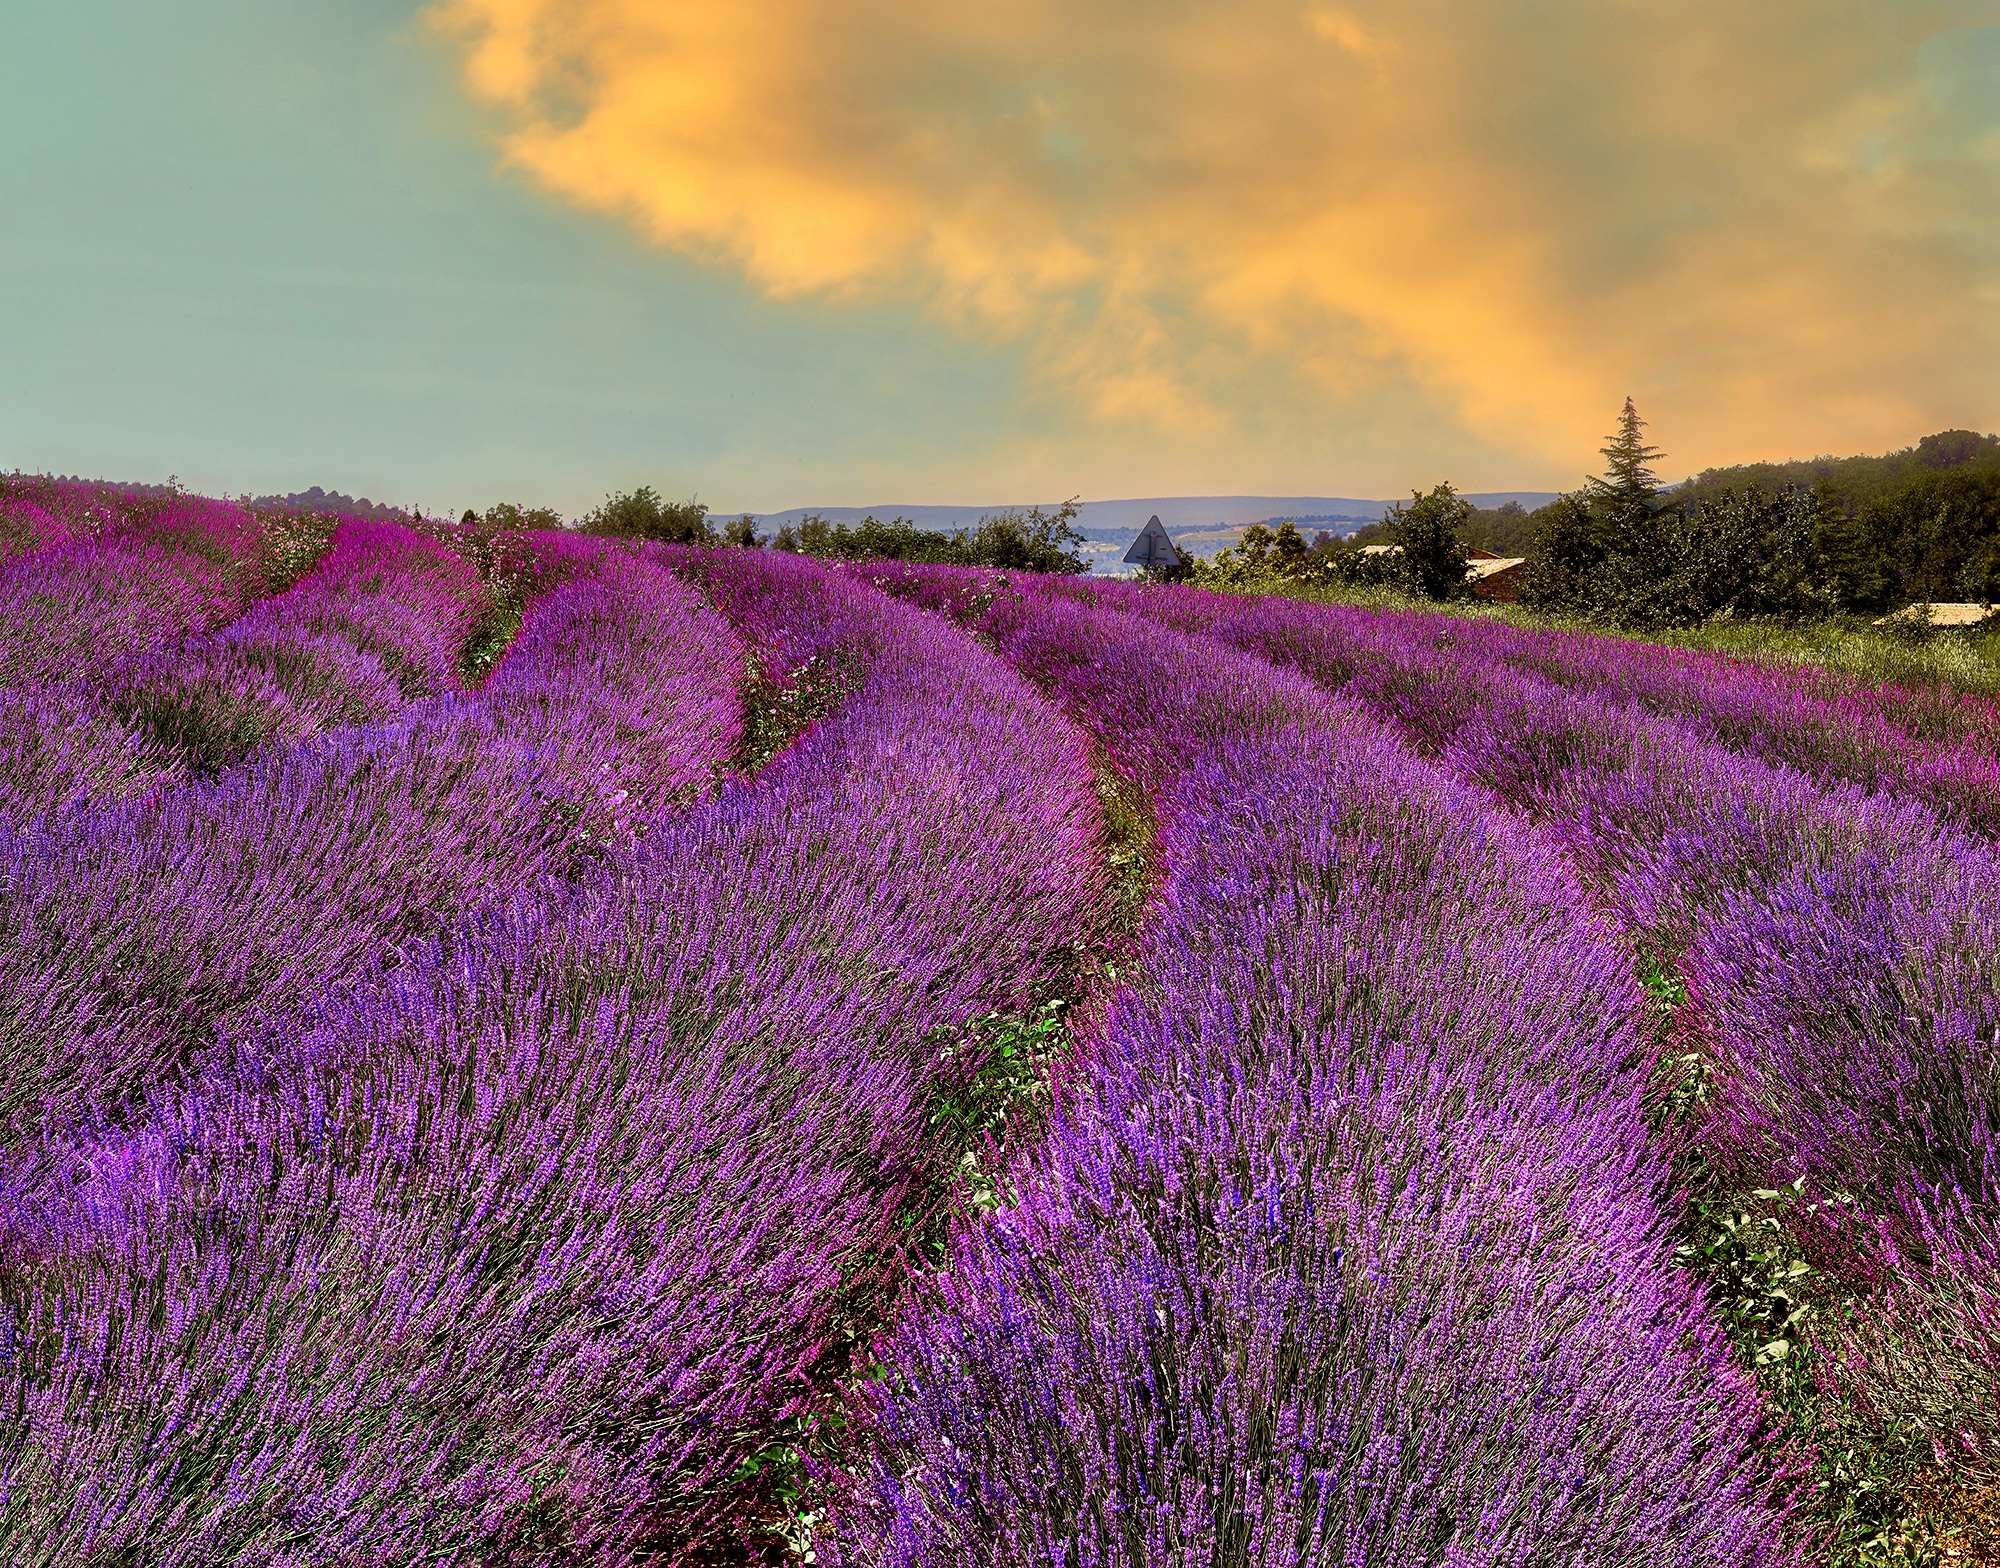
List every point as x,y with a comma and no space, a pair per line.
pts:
1629,484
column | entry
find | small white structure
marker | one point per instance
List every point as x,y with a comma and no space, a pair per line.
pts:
1153,547
1489,576
1941,614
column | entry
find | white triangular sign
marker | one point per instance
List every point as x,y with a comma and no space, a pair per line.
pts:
1153,547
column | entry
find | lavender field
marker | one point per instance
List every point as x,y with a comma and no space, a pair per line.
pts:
519,1048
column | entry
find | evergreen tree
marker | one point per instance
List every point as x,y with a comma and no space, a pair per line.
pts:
1629,486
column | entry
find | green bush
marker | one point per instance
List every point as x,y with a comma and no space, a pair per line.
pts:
1427,539
641,514
511,517
1030,541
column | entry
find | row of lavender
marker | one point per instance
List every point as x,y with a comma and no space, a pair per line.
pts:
1348,1242
460,1027
462,1135
136,928
1829,893
1840,940
89,577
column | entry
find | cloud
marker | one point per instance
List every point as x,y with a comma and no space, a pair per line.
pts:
1777,225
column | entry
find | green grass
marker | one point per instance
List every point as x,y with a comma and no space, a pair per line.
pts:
1867,1499
777,710
1845,645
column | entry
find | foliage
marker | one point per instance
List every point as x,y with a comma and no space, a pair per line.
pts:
1031,541
1002,1103
1854,483
1741,554
1619,554
1262,554
1278,560
642,514
291,544
1936,535
1567,549
1914,525
1424,552
1506,529
510,516
776,711
1428,539
1628,487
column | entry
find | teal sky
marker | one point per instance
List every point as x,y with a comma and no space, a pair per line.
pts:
776,253
263,245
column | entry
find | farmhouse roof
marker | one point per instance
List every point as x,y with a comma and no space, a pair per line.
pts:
1481,564
1941,614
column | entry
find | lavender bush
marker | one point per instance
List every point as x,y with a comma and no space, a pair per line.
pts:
378,623
521,1248
1836,938
126,576
135,929
1348,1243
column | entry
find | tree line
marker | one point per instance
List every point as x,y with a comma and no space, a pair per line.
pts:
1020,541
1789,541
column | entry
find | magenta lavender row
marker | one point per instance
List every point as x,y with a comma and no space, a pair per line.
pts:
524,1247
1347,1244
123,576
135,930
379,623
1768,879
37,513
1936,746
1779,877
1840,947
633,680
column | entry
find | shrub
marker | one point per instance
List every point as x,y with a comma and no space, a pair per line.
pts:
1428,538
641,514
1030,541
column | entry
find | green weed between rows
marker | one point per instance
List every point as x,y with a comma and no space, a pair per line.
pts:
1001,1101
1866,1500
1968,660
778,709
999,1107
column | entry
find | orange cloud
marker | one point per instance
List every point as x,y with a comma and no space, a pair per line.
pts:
1776,224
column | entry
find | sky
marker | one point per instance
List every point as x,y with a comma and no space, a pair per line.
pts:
786,252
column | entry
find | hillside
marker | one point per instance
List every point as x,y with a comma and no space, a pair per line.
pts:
523,1047
1854,482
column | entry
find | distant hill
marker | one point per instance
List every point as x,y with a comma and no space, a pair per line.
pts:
318,500
1856,481
313,500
